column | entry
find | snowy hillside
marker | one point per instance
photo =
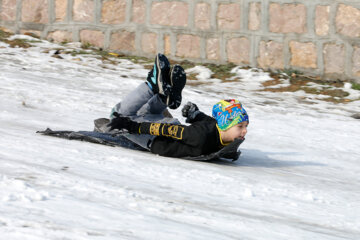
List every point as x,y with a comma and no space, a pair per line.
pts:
298,176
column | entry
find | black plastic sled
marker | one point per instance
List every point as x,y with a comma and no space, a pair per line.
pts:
229,152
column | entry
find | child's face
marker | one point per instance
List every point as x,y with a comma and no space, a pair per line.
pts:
237,131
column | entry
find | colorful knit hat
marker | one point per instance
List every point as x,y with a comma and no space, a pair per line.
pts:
229,113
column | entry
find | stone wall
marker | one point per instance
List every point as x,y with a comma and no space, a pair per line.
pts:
319,37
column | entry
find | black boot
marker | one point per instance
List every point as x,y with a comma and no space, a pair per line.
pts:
177,81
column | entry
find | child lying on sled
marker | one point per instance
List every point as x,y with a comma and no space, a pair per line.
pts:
142,113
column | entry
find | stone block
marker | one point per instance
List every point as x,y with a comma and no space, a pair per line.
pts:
271,55
170,13
202,16
322,20
8,10
60,10
348,21
228,16
95,38
149,42
138,11
334,58
123,41
303,54
35,11
213,49
60,36
238,50
188,46
113,11
254,16
167,44
287,18
83,10
356,62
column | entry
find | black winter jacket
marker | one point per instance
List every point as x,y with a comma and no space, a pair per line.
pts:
202,137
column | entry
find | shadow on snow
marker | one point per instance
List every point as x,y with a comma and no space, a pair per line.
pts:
257,158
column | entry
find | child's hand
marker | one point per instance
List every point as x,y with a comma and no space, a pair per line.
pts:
190,110
120,122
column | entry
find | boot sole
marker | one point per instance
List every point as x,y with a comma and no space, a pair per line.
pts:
177,81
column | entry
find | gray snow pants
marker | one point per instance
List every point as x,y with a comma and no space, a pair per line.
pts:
142,105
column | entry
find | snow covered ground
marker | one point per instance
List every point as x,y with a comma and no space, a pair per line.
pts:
298,176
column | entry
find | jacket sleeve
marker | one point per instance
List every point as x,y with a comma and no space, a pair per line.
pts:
190,135
201,117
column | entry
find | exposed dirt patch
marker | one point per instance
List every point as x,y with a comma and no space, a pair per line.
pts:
300,82
355,86
4,35
22,43
222,72
32,35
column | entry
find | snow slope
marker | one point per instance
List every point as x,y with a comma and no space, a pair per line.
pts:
297,178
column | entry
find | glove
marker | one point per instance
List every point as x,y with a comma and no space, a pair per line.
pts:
120,122
190,110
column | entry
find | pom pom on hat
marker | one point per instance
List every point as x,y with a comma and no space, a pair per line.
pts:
229,113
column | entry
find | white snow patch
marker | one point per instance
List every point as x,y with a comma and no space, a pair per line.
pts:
252,78
24,37
203,73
